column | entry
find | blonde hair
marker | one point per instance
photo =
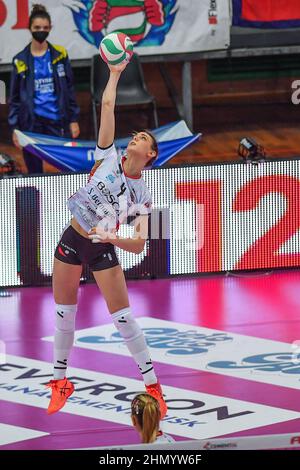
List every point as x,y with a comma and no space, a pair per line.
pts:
146,410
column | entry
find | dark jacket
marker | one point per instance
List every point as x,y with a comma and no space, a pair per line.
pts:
21,107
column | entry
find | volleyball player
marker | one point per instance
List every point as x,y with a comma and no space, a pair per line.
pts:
115,188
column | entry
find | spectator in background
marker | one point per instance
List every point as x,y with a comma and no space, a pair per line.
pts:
42,97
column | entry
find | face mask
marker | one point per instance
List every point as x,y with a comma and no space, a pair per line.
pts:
40,36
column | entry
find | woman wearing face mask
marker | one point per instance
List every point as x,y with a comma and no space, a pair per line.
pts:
42,95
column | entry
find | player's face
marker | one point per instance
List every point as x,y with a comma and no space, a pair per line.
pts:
140,145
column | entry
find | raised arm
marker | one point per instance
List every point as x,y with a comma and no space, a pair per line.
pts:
107,119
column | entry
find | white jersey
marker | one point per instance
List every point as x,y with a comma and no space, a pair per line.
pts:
163,438
110,195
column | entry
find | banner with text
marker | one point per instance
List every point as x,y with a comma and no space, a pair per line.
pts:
155,26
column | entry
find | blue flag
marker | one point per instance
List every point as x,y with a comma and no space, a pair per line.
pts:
78,155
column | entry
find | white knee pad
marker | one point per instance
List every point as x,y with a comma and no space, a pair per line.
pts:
126,324
135,341
65,317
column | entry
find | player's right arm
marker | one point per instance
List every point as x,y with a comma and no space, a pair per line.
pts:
107,120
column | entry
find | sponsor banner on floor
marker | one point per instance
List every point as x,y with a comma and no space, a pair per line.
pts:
221,352
107,397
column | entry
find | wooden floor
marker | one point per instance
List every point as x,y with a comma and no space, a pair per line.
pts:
279,141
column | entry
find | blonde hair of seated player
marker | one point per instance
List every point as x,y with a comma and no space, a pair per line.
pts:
145,417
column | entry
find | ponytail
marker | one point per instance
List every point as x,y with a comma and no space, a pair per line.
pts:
146,409
150,422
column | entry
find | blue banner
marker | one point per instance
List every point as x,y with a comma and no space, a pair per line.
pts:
78,155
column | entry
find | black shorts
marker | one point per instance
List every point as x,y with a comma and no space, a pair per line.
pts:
73,248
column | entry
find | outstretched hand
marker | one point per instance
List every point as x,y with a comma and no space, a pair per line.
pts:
118,68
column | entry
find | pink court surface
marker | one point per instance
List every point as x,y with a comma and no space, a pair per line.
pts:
226,349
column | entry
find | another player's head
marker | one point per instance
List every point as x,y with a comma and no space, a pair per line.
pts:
143,146
145,416
39,23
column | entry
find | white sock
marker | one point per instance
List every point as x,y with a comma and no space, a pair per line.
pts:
136,343
63,338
